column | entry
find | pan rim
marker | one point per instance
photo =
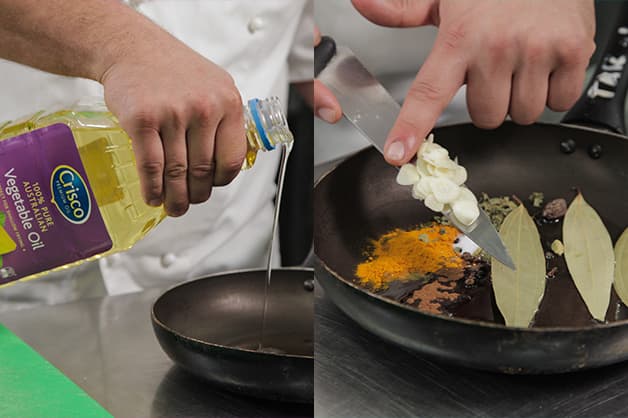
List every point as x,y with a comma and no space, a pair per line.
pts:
221,346
464,321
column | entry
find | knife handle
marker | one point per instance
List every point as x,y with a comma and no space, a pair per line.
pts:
602,104
323,53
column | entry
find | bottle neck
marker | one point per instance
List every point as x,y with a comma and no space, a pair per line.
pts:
266,118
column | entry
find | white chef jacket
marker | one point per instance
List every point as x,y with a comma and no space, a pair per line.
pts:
263,45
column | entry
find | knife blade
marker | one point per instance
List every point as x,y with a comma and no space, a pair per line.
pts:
373,111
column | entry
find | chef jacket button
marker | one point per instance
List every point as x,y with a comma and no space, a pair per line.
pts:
168,259
255,24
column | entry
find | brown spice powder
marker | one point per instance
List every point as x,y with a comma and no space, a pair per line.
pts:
432,295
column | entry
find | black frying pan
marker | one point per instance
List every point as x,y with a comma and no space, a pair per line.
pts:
359,200
211,328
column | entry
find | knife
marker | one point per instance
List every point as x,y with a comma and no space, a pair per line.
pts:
373,111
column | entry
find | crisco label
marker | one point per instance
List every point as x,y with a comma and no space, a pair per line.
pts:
70,194
48,213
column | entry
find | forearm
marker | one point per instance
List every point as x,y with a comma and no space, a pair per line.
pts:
74,38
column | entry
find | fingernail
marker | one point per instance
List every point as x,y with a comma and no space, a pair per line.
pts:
411,143
327,114
154,202
395,151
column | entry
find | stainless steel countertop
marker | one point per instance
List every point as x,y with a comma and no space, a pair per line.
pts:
107,347
356,374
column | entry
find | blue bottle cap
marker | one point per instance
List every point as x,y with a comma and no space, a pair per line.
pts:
253,106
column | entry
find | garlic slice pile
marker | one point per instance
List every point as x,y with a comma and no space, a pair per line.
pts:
439,182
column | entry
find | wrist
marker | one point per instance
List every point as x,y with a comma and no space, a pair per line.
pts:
128,35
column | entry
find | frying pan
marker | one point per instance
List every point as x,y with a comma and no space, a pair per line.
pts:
359,200
211,328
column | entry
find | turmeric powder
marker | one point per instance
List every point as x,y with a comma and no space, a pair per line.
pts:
401,254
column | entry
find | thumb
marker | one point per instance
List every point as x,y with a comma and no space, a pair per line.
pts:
435,85
399,13
326,105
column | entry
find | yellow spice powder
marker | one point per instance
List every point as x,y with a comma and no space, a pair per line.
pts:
399,254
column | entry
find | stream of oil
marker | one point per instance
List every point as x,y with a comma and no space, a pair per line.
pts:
285,153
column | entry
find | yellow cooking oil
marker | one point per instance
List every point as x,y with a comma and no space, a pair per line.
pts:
107,156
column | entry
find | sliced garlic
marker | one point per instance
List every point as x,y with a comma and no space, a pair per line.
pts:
422,188
445,190
418,193
432,203
435,155
459,175
439,182
432,170
421,167
466,194
408,175
465,211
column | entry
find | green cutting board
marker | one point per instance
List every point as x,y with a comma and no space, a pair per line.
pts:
32,387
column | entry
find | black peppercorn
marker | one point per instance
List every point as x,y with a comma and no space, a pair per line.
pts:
595,151
568,146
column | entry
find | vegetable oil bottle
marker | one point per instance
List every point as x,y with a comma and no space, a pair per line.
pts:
70,191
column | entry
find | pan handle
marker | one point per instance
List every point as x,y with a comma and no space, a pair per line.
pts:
602,102
323,53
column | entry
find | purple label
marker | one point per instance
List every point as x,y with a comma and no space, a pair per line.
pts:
48,213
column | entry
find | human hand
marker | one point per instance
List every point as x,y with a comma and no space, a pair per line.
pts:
326,105
515,56
184,115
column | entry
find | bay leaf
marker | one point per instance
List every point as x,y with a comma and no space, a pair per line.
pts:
519,292
589,255
621,267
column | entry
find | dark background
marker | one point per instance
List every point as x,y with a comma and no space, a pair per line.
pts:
295,217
